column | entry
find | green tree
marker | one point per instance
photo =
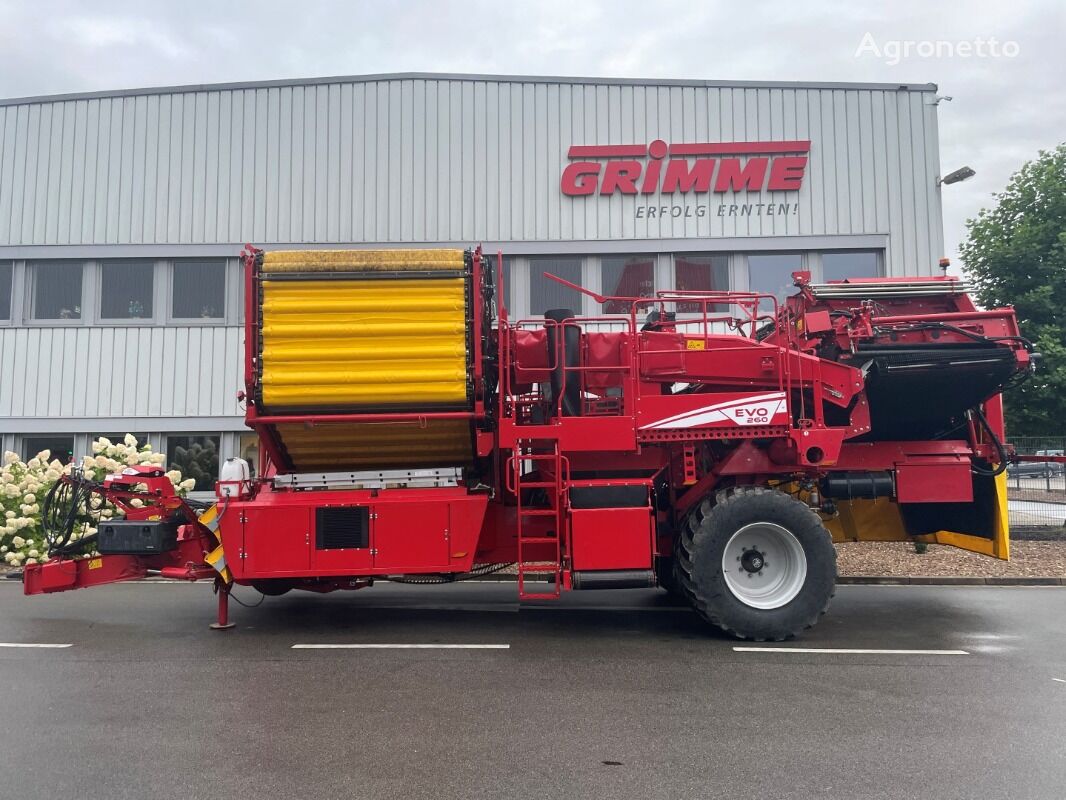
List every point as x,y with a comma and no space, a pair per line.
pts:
1016,255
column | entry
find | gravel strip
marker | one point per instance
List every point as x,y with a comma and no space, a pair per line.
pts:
1028,559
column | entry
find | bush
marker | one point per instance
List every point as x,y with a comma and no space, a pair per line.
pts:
25,484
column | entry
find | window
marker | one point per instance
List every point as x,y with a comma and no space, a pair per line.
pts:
544,293
248,444
626,276
772,274
196,456
700,274
5,291
199,290
126,290
852,264
59,447
57,290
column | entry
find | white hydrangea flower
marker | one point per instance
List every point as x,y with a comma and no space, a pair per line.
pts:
157,458
30,498
9,558
19,556
130,440
3,548
33,554
35,508
133,459
30,543
31,560
174,475
10,514
103,440
43,456
9,457
97,447
18,541
11,490
34,463
188,484
101,461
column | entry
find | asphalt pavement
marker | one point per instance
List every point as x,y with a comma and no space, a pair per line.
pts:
609,695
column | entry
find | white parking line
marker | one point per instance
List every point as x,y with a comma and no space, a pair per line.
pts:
32,644
851,651
1060,680
363,646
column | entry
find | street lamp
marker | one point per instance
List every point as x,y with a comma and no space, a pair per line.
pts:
958,176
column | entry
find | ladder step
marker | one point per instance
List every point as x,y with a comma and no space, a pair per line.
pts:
538,569
538,512
539,539
537,485
539,595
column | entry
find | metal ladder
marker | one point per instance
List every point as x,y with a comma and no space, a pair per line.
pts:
554,490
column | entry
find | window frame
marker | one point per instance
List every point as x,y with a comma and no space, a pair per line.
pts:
745,256
817,263
30,318
165,438
225,318
11,305
125,322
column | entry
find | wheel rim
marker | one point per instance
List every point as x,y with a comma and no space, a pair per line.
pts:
764,565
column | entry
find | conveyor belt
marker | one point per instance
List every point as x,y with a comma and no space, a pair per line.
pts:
349,331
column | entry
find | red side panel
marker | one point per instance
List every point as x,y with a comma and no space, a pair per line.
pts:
935,481
611,538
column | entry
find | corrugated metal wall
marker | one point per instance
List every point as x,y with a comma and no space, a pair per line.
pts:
120,371
448,160
406,159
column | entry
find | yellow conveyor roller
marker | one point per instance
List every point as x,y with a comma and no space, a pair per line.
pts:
388,332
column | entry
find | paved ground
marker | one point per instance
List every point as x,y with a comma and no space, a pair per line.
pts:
609,695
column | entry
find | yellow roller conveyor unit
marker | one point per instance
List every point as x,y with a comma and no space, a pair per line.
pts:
344,332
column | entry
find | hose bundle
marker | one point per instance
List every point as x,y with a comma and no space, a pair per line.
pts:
73,501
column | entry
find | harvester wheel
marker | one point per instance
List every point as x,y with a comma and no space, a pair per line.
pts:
757,563
272,587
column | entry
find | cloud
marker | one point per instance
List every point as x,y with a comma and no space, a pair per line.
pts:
1004,109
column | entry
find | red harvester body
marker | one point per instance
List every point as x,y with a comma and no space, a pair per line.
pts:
714,443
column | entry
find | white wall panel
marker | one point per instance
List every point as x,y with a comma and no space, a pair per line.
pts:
74,372
440,160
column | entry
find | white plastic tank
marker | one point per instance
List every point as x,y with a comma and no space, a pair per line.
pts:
233,477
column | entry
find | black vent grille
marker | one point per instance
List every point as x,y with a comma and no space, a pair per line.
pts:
339,528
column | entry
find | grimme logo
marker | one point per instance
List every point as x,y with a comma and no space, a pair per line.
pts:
701,168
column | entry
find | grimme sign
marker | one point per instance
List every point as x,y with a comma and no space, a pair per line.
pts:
707,168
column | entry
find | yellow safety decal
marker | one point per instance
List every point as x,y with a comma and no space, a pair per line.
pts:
696,344
96,563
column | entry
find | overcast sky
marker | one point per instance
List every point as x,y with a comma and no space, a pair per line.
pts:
1006,107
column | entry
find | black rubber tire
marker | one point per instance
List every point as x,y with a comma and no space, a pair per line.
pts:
272,587
704,535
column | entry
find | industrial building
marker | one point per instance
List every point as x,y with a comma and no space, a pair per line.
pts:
122,214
